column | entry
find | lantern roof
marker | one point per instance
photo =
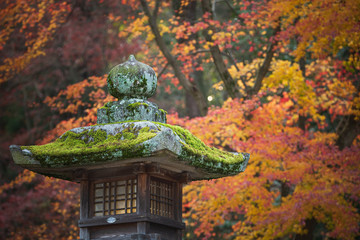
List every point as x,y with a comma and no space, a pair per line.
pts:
129,131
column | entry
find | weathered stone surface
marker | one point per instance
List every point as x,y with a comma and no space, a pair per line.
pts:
130,109
132,79
132,142
132,82
23,157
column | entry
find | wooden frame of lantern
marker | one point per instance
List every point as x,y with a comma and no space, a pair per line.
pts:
142,198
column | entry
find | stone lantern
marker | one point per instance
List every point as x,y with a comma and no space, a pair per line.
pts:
131,166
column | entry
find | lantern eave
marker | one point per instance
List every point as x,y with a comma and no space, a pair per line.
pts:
119,145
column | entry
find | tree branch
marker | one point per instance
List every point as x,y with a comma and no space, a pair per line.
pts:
347,129
188,86
163,70
230,84
237,69
231,7
264,68
156,9
228,56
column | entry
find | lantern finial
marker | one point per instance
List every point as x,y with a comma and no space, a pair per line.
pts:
132,82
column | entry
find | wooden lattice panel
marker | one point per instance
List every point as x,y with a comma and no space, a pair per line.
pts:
115,197
161,198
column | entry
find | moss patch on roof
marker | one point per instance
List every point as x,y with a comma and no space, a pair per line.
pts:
211,159
127,140
195,146
84,147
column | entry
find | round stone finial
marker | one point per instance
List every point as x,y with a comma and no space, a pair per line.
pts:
131,58
132,79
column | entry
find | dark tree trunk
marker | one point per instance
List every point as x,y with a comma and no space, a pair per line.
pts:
302,119
310,225
191,109
265,66
347,130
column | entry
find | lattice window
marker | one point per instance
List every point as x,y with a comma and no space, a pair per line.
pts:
161,198
116,197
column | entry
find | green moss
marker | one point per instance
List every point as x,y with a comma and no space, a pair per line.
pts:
128,135
214,160
163,111
91,146
106,106
134,106
145,129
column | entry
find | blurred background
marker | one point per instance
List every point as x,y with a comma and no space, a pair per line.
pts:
279,79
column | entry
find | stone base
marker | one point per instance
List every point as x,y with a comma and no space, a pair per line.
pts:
130,109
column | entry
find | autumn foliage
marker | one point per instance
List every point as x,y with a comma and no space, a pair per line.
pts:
51,206
278,79
296,181
38,22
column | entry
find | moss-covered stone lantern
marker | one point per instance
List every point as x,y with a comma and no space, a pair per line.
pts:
131,165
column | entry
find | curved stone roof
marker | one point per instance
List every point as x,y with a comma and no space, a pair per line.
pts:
126,143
